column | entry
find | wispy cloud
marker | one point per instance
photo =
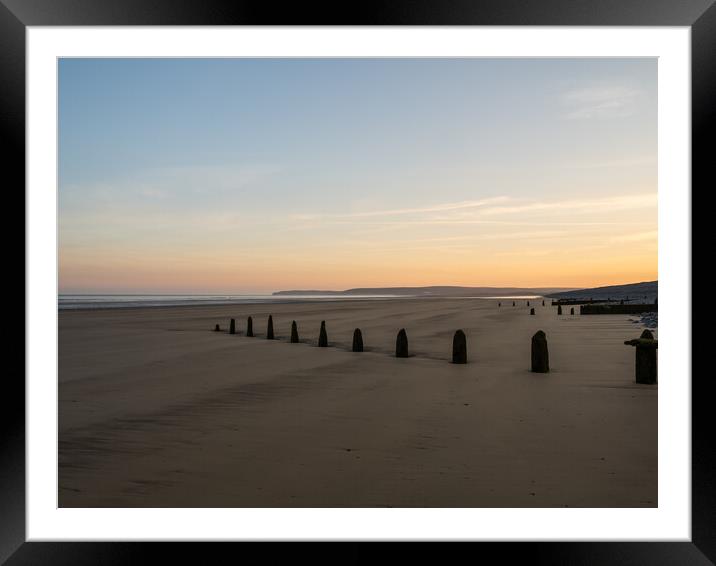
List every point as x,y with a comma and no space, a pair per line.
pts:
613,163
164,186
605,204
456,241
600,101
455,245
401,211
651,235
483,211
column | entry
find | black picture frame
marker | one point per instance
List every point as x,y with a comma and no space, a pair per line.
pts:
16,15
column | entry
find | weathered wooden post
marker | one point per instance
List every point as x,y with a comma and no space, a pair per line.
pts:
250,328
540,354
232,326
294,333
646,346
217,328
499,304
401,344
269,329
532,310
513,303
571,311
357,340
543,302
559,309
528,303
322,336
459,348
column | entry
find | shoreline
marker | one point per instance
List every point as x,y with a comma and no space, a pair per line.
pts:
287,301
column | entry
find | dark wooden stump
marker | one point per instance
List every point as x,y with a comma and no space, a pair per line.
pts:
559,309
540,354
532,311
269,329
571,311
357,340
294,333
232,326
542,303
250,328
459,348
646,363
322,336
217,328
401,344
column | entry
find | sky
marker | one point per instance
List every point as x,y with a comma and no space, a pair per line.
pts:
258,175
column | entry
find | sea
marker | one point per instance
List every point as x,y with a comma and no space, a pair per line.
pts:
67,302
133,301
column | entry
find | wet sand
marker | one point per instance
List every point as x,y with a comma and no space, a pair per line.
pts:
157,410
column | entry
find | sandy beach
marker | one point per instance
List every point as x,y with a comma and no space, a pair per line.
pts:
157,410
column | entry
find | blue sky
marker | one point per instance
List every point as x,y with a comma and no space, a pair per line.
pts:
244,175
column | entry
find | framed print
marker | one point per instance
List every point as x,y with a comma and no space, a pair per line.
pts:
292,277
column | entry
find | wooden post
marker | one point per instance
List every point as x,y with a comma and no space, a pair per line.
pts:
250,328
357,340
294,333
540,354
459,348
269,329
401,344
322,336
232,326
646,364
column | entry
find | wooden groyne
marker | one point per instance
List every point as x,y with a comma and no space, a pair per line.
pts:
617,309
581,301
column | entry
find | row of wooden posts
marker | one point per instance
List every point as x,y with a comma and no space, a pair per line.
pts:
532,310
514,303
646,345
401,343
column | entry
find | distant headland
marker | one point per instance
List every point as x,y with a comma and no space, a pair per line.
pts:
433,291
645,288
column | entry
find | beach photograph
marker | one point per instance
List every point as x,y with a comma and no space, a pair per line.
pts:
357,282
